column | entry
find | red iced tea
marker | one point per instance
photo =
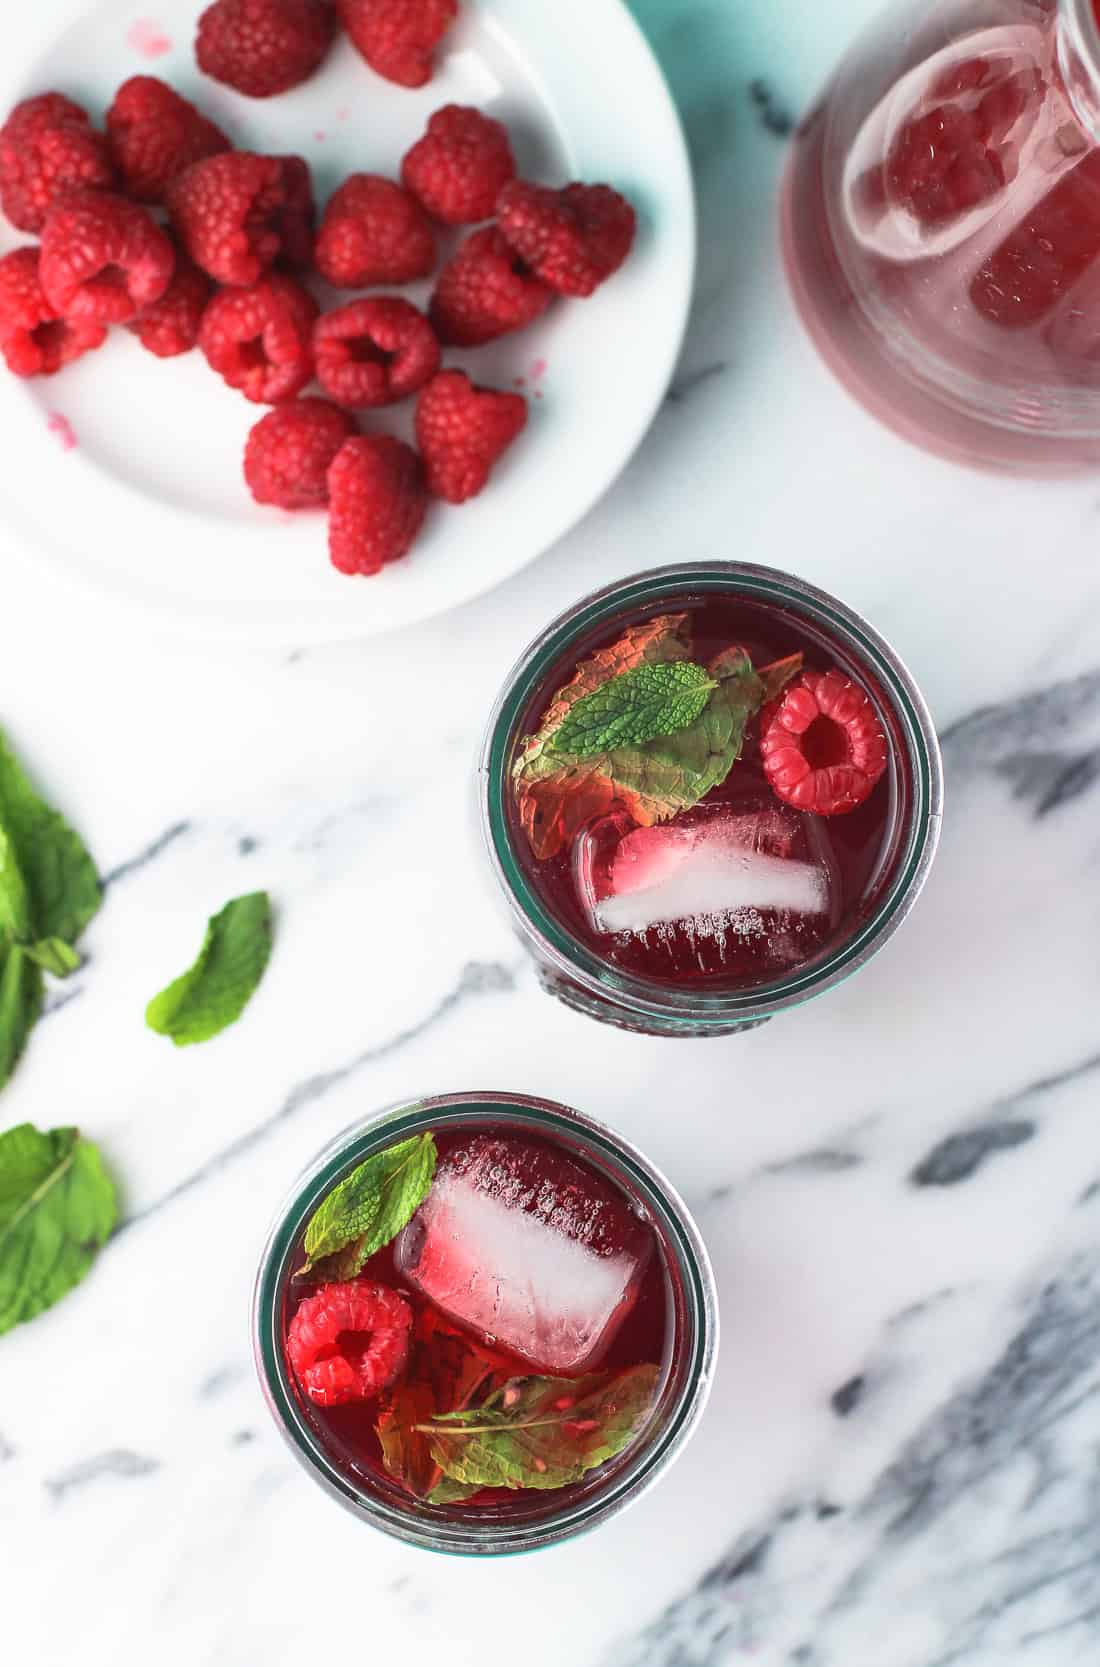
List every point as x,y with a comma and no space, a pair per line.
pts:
514,1333
709,795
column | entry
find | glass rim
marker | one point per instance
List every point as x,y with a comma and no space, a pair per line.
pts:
574,960
429,1527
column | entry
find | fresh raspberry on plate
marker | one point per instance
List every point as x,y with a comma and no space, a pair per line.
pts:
329,1365
484,291
572,239
263,47
33,339
822,745
154,134
462,430
398,37
103,258
288,454
377,503
171,325
227,212
373,232
48,147
459,167
259,339
296,221
374,352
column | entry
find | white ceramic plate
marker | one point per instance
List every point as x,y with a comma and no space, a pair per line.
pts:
148,506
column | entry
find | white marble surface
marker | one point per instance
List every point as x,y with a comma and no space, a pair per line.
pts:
899,1464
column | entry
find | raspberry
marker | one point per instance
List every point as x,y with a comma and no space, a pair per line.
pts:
377,502
484,291
462,430
296,221
822,745
103,258
33,340
954,157
398,37
572,239
348,1342
155,134
458,168
226,210
263,47
287,458
258,339
47,147
374,352
171,325
373,232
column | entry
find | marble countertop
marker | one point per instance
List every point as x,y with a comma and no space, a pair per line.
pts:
899,1184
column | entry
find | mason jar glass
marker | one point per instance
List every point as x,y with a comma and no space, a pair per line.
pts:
941,226
525,1521
590,982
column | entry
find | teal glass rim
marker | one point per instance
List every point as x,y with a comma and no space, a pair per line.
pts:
484,1532
697,1009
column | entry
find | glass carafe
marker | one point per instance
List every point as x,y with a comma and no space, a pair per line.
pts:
941,225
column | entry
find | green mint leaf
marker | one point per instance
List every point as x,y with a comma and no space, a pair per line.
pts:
542,1432
15,902
20,1004
54,955
370,1207
776,676
447,1492
215,992
636,706
556,796
57,1207
62,887
654,780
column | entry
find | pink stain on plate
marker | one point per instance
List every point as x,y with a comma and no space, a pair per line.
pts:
148,39
343,113
538,370
62,428
320,135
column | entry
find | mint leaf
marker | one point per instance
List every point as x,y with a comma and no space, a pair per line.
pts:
370,1207
636,706
57,1207
542,1432
15,902
655,779
53,955
20,1004
550,816
776,676
62,889
446,1369
215,992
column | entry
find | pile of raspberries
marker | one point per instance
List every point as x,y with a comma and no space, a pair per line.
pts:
160,226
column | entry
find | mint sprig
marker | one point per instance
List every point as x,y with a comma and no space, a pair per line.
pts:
214,992
369,1208
559,791
542,1432
49,892
57,1207
636,706
58,875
